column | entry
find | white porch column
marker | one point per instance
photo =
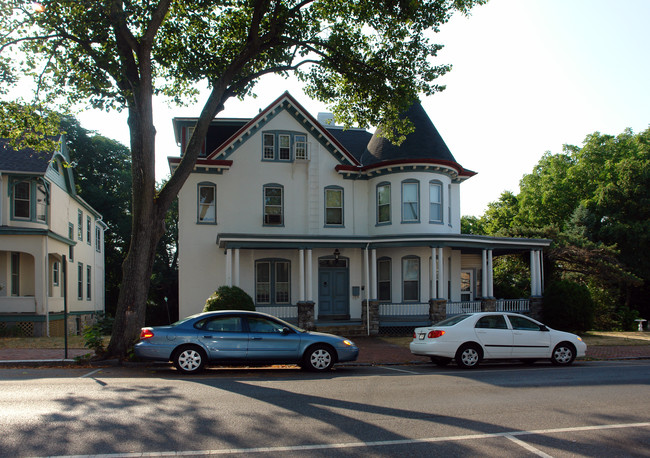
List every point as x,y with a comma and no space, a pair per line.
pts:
301,274
310,279
541,272
441,274
484,274
228,267
433,291
235,275
373,275
366,260
490,274
533,273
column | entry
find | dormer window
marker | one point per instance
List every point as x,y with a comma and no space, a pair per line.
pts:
283,146
269,147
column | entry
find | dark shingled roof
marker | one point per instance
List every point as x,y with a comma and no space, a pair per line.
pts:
25,160
423,143
353,140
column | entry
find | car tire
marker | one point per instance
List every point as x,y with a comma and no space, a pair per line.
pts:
440,361
563,354
468,356
318,358
189,359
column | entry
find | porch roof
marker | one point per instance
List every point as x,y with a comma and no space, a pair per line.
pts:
465,243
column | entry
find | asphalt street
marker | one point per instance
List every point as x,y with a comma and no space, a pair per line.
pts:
593,408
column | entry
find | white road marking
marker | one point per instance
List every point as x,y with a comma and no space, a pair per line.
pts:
400,370
90,373
511,435
527,446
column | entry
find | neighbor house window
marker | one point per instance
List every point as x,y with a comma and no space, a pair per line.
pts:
449,204
383,203
55,273
410,201
285,147
29,201
411,279
207,203
334,206
88,283
15,274
80,222
80,281
22,200
88,230
272,282
435,202
98,239
273,205
71,237
383,280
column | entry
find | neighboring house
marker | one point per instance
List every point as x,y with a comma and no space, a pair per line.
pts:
300,213
46,232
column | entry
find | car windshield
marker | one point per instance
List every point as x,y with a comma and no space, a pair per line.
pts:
452,320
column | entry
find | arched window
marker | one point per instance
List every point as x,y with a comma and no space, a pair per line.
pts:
383,203
273,205
410,201
334,206
435,201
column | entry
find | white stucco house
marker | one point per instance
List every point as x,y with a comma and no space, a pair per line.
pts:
51,245
304,215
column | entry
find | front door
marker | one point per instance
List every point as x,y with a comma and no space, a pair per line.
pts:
466,285
333,289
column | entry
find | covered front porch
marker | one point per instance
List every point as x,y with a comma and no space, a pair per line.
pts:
383,282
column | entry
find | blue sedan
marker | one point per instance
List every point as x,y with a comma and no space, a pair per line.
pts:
236,337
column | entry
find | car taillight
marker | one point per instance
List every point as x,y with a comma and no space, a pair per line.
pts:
414,335
146,333
436,333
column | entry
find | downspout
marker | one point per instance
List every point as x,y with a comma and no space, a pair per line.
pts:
367,289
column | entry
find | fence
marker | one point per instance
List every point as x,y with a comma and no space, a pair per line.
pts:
287,312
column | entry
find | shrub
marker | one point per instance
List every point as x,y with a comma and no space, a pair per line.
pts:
94,334
229,298
568,306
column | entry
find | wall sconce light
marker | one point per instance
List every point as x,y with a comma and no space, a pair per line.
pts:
337,253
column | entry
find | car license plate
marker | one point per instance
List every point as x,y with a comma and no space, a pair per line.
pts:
422,336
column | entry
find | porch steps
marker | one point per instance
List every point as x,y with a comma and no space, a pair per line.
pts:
346,329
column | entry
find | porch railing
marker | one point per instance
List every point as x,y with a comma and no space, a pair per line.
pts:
513,305
287,312
456,308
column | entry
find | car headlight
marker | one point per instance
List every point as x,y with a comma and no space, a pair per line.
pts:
579,338
348,343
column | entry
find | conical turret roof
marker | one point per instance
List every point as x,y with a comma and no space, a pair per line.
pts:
423,143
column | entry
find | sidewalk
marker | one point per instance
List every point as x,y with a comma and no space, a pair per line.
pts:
372,350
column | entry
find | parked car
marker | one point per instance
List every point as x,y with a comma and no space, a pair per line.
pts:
236,337
472,337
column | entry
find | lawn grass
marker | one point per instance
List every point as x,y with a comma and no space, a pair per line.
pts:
592,338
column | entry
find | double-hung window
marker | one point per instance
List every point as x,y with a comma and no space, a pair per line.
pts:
88,231
333,206
435,202
55,273
300,147
383,280
71,236
273,205
284,149
268,151
98,239
29,201
88,283
80,222
410,201
411,279
15,274
80,281
383,203
272,284
22,200
207,203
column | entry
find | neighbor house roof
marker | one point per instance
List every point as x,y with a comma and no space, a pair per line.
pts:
26,160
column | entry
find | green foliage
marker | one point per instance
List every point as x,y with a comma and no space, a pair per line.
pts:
511,277
94,334
229,298
472,225
568,306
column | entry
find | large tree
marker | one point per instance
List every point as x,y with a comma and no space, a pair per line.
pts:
368,59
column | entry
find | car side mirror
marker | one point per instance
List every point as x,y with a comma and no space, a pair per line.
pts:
543,328
285,331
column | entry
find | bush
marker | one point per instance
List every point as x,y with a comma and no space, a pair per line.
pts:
229,298
568,306
94,335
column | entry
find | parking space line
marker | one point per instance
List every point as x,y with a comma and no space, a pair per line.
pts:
399,370
301,448
527,446
90,373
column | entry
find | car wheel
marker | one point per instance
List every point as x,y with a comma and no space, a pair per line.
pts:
440,361
318,358
563,354
468,356
189,360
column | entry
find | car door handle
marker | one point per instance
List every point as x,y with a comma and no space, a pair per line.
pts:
257,338
207,337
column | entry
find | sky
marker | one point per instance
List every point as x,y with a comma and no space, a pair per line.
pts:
528,77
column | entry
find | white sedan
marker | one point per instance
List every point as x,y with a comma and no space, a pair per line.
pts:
472,337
